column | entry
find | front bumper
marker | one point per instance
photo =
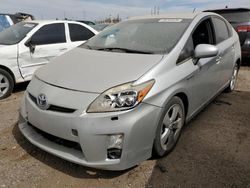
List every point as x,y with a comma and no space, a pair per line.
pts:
138,127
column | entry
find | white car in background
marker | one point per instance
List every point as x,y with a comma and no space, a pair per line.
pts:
26,46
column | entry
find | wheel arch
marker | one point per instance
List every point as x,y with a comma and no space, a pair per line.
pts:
9,71
184,99
238,62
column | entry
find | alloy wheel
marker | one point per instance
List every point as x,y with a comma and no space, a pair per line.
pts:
171,127
234,78
4,85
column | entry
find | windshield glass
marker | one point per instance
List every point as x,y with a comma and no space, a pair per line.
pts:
16,33
156,36
4,23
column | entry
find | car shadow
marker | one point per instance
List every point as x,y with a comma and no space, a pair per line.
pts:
62,165
212,151
20,87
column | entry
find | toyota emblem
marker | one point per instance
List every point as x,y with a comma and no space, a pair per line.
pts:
42,102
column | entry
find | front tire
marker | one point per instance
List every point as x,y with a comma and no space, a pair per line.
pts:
169,127
6,84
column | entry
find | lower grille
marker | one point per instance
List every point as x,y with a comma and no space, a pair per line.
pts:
57,140
61,109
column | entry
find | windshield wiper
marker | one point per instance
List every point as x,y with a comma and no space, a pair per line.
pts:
124,50
88,46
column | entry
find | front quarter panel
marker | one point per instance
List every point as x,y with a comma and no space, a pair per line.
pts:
8,59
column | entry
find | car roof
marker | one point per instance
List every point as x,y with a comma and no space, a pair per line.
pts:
228,10
52,21
165,16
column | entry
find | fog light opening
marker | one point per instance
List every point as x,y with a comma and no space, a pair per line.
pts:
115,142
114,153
74,132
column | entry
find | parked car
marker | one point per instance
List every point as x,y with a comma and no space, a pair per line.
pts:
240,20
26,46
129,90
6,20
86,22
100,27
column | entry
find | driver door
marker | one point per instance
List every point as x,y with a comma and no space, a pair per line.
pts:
203,84
48,42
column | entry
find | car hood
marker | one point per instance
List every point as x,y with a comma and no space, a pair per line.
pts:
95,71
8,51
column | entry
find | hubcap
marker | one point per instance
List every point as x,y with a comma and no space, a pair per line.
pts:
234,77
171,126
4,85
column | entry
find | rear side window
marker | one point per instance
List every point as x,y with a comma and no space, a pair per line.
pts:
79,33
221,30
49,34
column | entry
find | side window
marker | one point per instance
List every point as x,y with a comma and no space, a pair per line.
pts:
79,33
203,34
49,34
187,52
221,30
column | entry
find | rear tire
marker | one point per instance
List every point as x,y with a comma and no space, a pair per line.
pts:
233,79
169,127
6,84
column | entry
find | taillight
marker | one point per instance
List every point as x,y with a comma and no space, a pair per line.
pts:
243,28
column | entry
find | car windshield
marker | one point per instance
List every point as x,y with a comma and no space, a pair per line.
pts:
4,22
16,33
150,36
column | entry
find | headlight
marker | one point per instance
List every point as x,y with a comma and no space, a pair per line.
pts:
121,97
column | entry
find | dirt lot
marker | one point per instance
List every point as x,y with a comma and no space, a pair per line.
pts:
214,151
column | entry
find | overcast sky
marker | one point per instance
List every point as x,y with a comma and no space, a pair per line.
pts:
98,9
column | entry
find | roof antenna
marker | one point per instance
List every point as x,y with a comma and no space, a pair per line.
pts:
194,10
226,6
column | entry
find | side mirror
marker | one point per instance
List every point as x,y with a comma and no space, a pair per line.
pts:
205,51
31,46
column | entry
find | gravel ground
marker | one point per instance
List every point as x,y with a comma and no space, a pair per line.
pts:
213,151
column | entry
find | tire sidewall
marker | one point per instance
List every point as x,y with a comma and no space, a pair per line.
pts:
229,89
235,66
157,149
11,83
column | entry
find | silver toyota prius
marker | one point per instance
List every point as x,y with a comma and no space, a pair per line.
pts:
127,92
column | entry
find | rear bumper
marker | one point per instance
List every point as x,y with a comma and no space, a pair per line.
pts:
138,127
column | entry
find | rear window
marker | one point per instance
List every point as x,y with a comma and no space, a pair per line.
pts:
236,17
